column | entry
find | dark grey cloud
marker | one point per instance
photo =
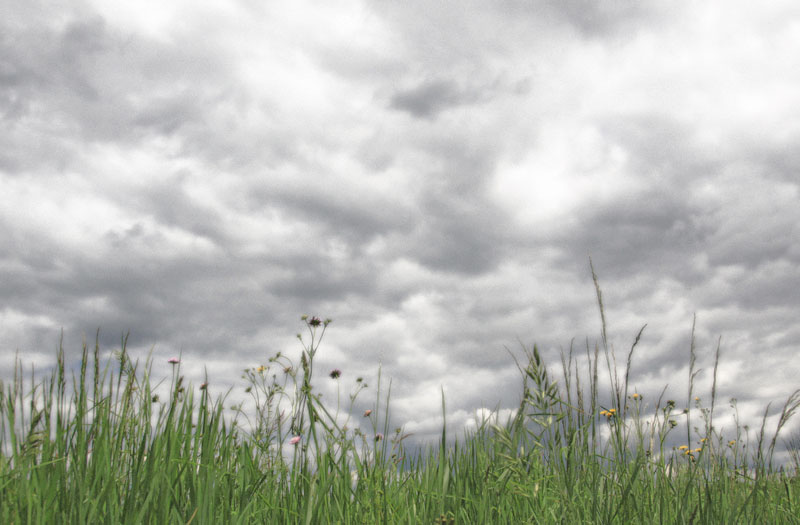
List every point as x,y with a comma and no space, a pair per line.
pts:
597,20
430,98
84,81
454,235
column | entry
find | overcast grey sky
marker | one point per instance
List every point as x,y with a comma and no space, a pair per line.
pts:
434,176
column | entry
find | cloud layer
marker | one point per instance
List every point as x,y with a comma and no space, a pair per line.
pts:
434,177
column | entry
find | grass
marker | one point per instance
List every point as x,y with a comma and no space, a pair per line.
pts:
110,451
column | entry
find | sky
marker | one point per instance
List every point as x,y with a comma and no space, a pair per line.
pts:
433,176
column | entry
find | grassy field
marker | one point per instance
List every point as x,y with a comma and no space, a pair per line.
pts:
108,450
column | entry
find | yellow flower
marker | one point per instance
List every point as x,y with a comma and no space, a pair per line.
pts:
261,369
698,450
683,447
637,396
609,413
731,443
703,440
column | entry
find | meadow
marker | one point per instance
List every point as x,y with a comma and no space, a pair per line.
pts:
103,447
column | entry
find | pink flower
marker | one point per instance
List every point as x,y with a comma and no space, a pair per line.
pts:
367,412
173,360
295,440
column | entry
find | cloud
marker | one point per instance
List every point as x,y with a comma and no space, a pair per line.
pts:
434,178
428,99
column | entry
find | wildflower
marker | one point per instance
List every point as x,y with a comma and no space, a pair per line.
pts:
378,436
314,322
204,385
261,369
367,412
611,412
335,373
287,370
696,398
295,440
732,442
637,396
703,440
683,447
173,360
697,450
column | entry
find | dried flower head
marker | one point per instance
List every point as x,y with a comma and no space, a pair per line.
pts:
335,373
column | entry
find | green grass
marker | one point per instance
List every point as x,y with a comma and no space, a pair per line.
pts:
108,450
